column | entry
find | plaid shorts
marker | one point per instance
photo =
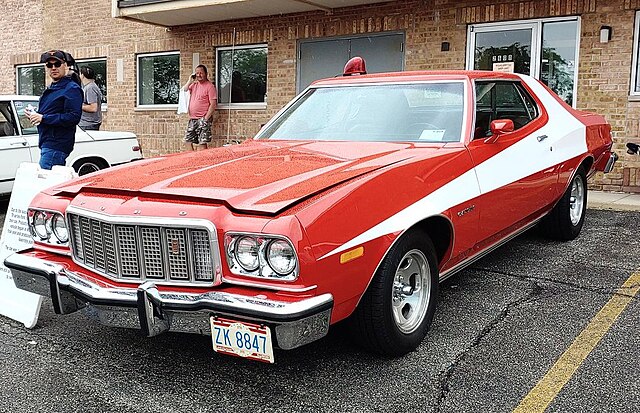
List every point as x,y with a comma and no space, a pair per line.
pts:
198,131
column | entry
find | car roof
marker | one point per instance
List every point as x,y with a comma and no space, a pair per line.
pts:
414,76
19,97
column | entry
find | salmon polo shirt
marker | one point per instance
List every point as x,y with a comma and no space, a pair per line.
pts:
202,95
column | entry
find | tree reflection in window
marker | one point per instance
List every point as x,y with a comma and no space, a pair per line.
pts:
242,74
158,79
518,53
100,68
557,69
31,80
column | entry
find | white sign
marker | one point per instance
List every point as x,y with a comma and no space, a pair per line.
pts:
505,67
17,304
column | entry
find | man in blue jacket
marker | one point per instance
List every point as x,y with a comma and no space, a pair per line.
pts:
59,111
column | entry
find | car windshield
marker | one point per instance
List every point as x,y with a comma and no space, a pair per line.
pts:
429,112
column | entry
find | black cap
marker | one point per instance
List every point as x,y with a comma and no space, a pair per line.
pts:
53,54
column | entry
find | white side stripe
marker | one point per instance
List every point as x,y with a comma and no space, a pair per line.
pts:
462,188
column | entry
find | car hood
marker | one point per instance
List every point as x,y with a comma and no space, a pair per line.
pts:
257,176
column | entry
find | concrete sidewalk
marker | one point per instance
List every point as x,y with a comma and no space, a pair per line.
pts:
616,201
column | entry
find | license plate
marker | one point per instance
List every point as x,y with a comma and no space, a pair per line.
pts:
242,339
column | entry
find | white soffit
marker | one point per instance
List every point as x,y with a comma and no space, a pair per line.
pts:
182,12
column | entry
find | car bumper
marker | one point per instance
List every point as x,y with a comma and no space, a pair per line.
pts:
153,311
611,161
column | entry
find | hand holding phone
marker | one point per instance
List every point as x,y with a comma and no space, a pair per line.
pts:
193,76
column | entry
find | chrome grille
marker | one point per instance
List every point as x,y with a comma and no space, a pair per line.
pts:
202,254
132,252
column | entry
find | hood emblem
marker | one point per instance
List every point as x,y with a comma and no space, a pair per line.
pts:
174,245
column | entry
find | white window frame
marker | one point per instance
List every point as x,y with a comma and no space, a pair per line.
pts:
25,66
536,42
152,107
250,105
634,58
79,62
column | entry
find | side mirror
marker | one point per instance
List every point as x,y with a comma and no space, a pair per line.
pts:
498,128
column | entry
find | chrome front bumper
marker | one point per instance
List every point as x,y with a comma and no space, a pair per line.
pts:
154,312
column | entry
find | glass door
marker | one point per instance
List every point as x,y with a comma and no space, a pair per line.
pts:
545,49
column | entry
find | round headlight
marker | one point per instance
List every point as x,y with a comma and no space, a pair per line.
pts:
39,224
281,257
60,228
246,252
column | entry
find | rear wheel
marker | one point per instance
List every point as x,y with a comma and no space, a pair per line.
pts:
396,311
89,165
566,219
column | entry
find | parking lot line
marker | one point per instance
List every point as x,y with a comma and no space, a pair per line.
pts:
559,374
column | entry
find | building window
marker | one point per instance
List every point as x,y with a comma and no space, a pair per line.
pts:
326,57
241,76
635,68
158,79
99,66
546,49
30,79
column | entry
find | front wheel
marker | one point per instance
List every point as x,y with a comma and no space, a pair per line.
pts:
566,219
396,311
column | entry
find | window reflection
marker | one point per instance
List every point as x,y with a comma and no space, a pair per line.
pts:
158,79
557,69
242,75
31,80
504,46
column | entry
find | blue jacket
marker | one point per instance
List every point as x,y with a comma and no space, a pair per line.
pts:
61,109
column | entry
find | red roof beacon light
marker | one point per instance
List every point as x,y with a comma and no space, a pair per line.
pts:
355,66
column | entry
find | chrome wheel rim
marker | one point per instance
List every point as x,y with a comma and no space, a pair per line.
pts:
411,291
87,168
576,200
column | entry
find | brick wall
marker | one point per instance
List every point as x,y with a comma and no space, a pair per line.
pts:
603,83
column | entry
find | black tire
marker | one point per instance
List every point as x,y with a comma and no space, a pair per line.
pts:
89,165
566,219
389,319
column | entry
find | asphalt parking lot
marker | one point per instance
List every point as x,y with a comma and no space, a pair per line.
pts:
502,327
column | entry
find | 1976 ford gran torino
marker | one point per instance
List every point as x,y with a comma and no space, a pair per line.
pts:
353,202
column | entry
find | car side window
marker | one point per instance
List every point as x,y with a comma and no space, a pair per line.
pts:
502,100
7,127
25,124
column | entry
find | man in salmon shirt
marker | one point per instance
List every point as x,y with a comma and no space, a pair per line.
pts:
202,106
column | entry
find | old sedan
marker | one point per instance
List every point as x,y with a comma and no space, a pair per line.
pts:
353,202
94,150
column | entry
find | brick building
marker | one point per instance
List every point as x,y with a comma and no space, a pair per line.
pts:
144,50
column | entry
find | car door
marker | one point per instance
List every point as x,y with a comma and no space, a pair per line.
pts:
29,132
514,188
14,148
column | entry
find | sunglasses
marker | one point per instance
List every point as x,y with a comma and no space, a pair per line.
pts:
57,63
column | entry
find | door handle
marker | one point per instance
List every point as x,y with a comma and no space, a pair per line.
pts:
19,143
541,138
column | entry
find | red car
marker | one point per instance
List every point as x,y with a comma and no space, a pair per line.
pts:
353,202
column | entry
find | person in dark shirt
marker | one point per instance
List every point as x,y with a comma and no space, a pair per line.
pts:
59,111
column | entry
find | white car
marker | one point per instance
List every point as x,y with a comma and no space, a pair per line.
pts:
94,150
